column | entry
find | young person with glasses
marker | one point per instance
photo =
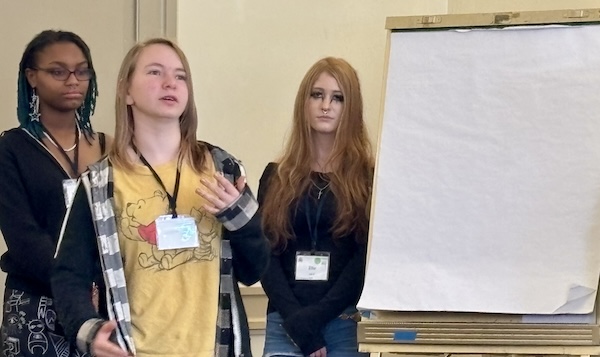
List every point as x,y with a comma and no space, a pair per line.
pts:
40,162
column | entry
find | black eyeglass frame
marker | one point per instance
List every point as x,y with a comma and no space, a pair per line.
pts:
81,74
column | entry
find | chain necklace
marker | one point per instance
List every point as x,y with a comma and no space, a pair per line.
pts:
72,147
321,189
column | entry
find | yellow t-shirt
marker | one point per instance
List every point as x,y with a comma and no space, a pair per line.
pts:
173,294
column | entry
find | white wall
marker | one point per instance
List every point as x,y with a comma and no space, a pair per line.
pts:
248,58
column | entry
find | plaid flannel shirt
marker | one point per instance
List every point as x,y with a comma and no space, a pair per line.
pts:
98,182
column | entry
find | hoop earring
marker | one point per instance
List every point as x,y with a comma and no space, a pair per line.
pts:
34,107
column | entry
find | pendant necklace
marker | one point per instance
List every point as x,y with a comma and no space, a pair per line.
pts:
321,189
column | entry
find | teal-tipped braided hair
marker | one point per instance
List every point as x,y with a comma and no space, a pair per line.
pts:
24,90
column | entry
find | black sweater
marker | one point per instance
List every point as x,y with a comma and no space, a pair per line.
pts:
32,208
307,306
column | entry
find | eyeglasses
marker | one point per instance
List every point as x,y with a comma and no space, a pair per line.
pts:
62,74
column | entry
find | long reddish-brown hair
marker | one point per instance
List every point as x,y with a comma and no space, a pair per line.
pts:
351,160
190,149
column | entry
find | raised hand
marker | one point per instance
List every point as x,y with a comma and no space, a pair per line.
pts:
220,194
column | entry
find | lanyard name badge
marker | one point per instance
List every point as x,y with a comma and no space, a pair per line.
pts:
313,265
70,184
173,231
69,190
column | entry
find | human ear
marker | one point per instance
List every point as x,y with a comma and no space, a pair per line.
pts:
30,74
129,99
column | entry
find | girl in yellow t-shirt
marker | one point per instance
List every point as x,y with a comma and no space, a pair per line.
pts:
172,225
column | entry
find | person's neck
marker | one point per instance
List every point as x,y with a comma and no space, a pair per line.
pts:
57,122
322,149
158,142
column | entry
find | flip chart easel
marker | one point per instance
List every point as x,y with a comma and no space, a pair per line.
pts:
447,333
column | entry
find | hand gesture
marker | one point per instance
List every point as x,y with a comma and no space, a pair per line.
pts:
220,194
102,346
322,352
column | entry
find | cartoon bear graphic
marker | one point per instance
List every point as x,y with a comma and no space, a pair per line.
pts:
207,231
135,228
132,226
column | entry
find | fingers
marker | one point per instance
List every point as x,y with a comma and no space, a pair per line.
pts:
219,194
322,352
224,184
240,183
106,330
102,346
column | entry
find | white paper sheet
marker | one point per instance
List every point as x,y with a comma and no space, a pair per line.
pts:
488,180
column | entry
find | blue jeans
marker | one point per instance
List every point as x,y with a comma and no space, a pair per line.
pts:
339,334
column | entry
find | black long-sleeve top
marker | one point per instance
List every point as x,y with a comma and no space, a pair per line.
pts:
307,306
32,207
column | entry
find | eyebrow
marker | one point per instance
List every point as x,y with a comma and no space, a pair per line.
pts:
65,65
162,66
334,91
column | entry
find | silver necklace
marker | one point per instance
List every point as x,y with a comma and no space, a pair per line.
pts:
69,149
321,189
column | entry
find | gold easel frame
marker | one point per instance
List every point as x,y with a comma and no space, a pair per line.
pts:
476,333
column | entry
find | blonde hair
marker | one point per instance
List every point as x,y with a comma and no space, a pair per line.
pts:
190,149
351,159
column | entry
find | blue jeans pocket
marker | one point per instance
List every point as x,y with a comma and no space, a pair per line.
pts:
277,341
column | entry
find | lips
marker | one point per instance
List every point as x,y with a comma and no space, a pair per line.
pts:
169,98
73,95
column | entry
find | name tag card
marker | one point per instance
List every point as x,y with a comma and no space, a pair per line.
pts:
69,189
176,233
312,266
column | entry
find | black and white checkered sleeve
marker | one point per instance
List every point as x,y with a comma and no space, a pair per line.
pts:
239,212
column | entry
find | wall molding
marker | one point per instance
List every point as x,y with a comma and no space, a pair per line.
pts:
155,18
